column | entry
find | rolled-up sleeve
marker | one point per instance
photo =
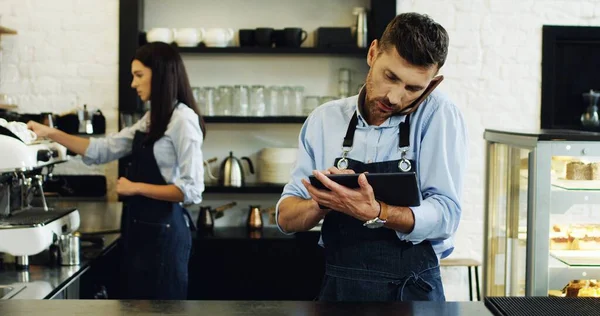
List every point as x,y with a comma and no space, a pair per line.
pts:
303,167
113,147
187,139
442,165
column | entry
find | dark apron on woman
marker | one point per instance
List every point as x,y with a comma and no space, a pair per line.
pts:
364,264
155,234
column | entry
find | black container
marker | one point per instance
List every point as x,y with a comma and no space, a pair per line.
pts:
99,123
329,37
263,36
246,38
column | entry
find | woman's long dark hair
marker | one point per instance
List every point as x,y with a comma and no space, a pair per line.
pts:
169,84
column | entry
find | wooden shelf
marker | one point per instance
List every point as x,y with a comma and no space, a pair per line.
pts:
8,107
339,51
249,188
6,30
255,119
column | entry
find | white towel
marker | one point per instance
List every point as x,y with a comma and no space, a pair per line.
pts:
20,129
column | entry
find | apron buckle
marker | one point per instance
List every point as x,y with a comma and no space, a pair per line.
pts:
342,164
404,164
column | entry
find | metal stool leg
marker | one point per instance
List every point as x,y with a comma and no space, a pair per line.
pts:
477,283
470,284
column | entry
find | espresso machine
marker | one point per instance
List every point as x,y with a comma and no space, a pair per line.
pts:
28,226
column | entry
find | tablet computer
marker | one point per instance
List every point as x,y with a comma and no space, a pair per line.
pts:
396,188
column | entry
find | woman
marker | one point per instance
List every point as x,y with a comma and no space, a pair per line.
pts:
166,170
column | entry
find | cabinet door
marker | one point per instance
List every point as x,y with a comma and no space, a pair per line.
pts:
506,220
238,269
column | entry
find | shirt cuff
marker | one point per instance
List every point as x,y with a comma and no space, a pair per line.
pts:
277,215
192,194
90,156
427,218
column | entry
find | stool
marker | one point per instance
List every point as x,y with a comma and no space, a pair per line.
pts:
471,264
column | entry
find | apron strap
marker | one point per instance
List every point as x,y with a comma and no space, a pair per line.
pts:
403,132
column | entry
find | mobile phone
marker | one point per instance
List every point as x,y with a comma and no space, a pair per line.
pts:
415,104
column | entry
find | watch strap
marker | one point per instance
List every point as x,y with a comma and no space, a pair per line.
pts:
383,214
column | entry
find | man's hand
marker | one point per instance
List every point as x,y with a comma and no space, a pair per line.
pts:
359,203
334,170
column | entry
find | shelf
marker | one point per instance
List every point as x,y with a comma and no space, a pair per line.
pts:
340,51
8,107
577,185
562,200
255,119
6,30
588,258
250,188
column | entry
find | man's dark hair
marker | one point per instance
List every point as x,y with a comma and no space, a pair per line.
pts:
417,38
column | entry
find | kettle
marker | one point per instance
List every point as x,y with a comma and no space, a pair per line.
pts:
232,171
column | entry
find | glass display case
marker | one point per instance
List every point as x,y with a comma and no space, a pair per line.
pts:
542,213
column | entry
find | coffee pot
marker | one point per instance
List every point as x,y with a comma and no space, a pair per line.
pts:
589,118
207,216
232,172
254,220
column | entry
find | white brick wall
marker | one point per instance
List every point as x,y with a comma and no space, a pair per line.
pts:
66,53
494,73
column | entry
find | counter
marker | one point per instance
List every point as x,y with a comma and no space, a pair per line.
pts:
45,281
238,308
237,264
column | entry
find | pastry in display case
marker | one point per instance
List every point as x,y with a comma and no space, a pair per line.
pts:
575,237
579,288
542,213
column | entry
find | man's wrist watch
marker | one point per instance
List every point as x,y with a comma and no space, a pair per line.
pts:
381,219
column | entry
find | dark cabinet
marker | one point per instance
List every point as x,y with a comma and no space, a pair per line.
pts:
101,281
235,264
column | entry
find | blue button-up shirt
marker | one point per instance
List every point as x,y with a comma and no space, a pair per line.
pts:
438,144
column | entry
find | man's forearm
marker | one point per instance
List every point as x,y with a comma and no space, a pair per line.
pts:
297,214
400,219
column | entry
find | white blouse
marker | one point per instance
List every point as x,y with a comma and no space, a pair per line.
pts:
178,153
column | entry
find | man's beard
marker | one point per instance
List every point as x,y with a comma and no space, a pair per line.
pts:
370,107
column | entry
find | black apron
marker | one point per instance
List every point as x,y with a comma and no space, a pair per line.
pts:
364,264
155,234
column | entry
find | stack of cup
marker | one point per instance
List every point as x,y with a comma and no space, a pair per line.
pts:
344,83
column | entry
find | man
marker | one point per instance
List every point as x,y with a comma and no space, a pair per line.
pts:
375,251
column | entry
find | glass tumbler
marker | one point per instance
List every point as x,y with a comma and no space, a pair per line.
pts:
240,101
272,101
207,101
257,101
285,101
311,102
297,101
225,100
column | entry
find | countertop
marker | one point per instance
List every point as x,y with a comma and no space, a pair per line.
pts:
45,281
224,308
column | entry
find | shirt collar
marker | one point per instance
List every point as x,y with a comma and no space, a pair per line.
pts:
390,122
